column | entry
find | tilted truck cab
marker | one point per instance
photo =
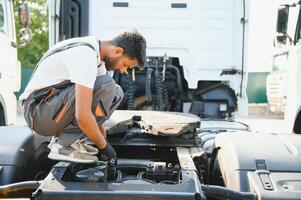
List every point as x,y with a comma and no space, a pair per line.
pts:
196,50
287,41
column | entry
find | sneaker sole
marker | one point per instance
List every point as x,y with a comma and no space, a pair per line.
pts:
89,153
55,156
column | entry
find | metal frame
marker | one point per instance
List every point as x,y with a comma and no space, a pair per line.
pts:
54,187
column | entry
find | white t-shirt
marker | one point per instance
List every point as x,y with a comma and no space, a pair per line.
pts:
78,64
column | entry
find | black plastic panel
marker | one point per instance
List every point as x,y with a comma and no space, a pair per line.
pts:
74,19
19,153
216,101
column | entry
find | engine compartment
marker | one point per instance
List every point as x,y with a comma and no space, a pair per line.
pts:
147,165
172,157
162,167
166,173
161,86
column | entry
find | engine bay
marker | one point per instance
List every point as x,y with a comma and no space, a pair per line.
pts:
148,163
174,156
159,175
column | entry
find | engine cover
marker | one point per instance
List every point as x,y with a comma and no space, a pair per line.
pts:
268,164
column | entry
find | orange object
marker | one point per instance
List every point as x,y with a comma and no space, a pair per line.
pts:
99,111
61,113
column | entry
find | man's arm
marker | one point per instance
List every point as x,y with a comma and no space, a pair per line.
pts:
102,130
85,117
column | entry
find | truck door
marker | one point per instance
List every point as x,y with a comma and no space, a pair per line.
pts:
9,66
9,63
293,109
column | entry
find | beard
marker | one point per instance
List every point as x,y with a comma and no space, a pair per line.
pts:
110,63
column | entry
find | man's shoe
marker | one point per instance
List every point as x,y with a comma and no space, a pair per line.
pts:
52,141
71,154
86,148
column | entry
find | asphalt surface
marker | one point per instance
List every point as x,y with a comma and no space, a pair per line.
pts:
264,124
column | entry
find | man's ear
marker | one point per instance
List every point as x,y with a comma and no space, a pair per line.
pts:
118,51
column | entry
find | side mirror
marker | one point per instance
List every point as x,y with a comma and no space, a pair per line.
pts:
24,19
24,14
282,19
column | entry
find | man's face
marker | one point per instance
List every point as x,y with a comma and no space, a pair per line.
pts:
116,60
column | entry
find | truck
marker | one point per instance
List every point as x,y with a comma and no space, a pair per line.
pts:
10,68
287,45
175,133
196,50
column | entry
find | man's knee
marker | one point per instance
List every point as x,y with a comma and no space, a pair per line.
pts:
118,94
116,101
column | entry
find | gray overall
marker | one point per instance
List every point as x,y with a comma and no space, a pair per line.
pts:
51,111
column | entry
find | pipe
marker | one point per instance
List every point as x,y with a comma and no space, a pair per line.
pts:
134,163
148,91
243,20
159,105
179,80
19,190
219,191
130,93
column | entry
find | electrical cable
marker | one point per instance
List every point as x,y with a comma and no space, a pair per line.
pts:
130,92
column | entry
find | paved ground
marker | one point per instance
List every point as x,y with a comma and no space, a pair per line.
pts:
261,119
264,124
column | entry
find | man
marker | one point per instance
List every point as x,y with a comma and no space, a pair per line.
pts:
70,93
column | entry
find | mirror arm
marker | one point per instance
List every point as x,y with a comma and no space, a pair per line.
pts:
25,37
290,39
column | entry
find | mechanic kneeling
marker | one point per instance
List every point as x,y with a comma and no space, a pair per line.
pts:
70,93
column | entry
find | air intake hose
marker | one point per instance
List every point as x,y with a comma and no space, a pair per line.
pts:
130,93
218,191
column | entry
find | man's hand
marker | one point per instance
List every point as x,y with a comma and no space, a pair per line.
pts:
102,130
108,154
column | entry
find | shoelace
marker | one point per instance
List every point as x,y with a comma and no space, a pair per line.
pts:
79,146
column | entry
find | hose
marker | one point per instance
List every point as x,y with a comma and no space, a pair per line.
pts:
219,191
159,105
130,93
165,95
148,91
177,72
19,190
134,163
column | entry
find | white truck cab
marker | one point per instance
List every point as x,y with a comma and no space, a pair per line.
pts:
10,67
288,41
199,47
